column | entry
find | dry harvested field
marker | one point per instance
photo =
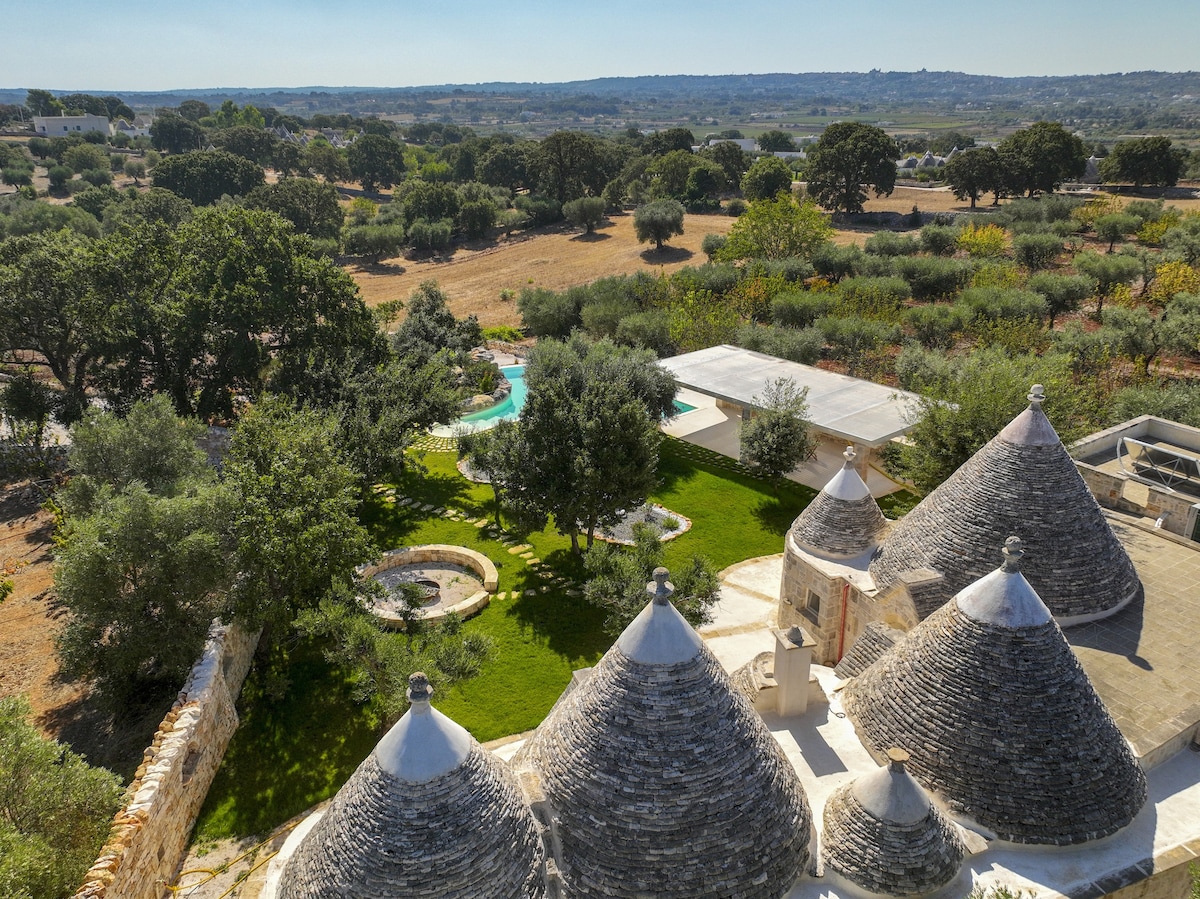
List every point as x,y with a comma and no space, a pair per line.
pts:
561,258
556,259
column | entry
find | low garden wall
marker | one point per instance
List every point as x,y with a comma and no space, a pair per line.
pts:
439,552
150,834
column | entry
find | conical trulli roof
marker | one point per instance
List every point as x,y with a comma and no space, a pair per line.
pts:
843,520
428,815
882,833
1023,481
664,781
1000,717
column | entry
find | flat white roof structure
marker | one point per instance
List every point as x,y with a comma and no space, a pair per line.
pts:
852,409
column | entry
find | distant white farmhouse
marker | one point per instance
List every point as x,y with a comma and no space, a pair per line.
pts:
58,126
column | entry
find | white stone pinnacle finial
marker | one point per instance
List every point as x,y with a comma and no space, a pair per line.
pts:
1037,395
419,689
849,455
1013,551
660,588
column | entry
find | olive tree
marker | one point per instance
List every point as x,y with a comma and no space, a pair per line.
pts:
776,438
658,221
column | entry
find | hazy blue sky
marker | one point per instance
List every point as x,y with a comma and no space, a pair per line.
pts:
107,46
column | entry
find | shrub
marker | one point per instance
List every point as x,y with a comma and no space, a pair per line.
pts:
549,314
650,329
982,304
995,273
374,241
475,217
982,241
935,325
799,309
851,338
889,243
96,177
430,237
834,262
872,297
792,269
59,175
1062,293
712,244
541,210
720,279
1036,251
938,239
735,207
932,277
504,333
803,345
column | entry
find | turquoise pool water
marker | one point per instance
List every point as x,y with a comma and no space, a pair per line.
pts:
510,409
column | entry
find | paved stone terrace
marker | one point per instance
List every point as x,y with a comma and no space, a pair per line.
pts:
1143,660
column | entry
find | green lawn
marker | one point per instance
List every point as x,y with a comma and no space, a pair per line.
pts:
291,753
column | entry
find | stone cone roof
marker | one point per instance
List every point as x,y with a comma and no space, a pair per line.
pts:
663,780
428,815
876,639
1022,482
1001,719
882,833
844,519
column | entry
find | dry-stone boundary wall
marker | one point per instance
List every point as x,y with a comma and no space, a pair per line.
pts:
150,834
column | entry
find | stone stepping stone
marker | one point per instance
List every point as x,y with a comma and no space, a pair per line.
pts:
574,591
428,507
406,501
526,555
500,596
479,524
448,513
532,561
531,592
519,548
545,588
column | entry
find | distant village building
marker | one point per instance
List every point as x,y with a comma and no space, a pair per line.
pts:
62,125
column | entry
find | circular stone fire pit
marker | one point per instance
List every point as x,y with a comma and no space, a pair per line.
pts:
456,579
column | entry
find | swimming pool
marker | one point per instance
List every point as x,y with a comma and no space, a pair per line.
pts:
510,408
507,410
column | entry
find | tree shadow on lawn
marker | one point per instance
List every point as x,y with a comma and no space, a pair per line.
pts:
570,625
594,237
673,470
777,513
290,753
666,255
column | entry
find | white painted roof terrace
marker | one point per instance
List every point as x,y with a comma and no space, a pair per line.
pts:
855,410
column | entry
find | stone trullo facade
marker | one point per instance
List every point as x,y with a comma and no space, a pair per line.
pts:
1002,720
428,815
882,833
663,780
839,579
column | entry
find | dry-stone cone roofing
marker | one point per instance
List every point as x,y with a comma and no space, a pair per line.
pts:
844,519
664,781
876,639
882,833
428,815
1023,481
1000,718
